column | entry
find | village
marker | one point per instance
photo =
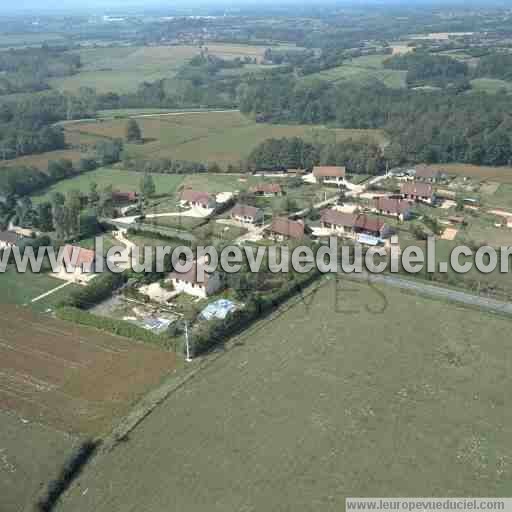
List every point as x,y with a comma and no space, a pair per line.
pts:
285,207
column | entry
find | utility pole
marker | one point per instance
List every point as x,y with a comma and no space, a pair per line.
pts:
189,359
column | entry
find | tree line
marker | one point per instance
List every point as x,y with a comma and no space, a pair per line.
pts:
296,153
440,126
28,69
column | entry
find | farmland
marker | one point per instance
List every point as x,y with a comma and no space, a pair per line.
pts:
41,160
223,137
29,452
67,383
122,69
478,172
72,378
345,396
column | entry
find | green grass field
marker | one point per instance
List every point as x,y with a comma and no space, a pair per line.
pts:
20,289
223,137
363,70
358,391
490,85
119,179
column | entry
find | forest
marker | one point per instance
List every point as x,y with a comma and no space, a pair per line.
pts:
433,126
427,69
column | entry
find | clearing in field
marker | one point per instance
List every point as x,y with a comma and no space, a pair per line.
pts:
223,137
72,378
357,391
363,70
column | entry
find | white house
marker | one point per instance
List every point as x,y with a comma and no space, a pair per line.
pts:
190,282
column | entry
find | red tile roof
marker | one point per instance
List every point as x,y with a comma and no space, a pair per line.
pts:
119,195
337,218
84,257
349,220
266,188
192,196
366,223
424,171
9,237
243,210
288,228
329,171
416,188
394,206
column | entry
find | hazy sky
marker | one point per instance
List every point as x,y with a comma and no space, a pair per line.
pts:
119,5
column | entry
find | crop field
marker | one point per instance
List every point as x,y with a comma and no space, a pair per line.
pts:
479,172
29,453
363,70
41,161
223,137
72,378
355,391
122,69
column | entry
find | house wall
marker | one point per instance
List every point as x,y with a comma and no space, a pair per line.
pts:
247,220
213,284
337,230
197,290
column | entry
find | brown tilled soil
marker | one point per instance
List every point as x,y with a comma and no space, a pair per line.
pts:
72,378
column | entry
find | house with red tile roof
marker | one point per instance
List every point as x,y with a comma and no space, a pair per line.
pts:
417,191
193,198
352,224
392,207
246,214
329,174
267,190
283,228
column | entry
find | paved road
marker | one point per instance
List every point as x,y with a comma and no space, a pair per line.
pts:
184,113
437,292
